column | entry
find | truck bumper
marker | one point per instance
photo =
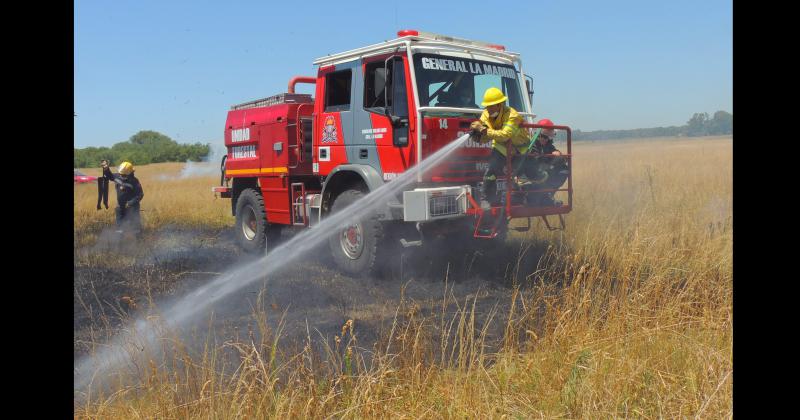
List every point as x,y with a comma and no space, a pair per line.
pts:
224,192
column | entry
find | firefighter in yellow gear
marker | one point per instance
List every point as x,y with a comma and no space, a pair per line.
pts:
500,124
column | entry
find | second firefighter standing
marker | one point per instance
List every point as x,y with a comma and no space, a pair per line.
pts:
129,196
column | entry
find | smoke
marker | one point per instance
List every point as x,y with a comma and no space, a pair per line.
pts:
208,166
143,334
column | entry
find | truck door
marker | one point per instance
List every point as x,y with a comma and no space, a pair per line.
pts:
334,118
384,121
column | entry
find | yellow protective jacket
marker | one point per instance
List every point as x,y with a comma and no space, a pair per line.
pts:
504,127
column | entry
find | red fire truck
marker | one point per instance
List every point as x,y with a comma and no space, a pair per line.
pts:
293,159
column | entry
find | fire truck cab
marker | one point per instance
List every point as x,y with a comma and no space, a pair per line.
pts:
376,112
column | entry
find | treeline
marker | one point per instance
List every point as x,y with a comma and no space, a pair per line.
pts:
142,148
699,125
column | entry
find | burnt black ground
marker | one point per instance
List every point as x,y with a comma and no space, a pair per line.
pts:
116,280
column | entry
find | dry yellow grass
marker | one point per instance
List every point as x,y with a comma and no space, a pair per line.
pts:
629,316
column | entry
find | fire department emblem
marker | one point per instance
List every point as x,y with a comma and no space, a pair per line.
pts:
329,130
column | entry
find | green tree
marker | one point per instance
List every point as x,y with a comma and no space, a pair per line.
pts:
91,156
721,123
697,125
144,147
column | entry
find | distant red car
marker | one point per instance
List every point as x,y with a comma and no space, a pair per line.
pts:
81,178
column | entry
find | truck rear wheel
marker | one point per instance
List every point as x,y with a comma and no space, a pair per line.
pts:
357,246
253,232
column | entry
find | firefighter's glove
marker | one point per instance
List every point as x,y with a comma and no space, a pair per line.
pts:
477,130
477,127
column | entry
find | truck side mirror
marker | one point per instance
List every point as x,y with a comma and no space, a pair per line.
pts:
529,86
398,121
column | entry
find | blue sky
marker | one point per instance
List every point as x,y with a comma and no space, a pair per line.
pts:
177,66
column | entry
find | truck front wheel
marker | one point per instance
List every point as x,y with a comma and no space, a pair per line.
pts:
356,246
253,232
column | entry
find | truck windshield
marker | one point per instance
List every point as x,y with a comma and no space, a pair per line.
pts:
460,82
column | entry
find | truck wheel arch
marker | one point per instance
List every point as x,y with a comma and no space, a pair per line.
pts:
239,185
350,176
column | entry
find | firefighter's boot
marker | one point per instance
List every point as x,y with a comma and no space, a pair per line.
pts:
541,177
523,181
489,192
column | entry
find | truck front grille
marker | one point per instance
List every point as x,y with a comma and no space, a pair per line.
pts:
443,205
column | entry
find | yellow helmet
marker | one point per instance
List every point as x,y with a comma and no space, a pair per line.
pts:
493,96
125,168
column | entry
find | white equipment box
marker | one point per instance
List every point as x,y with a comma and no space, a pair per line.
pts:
423,204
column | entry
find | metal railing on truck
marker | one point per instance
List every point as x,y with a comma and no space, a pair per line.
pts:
510,210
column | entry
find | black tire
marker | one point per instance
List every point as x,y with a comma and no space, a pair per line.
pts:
357,248
253,232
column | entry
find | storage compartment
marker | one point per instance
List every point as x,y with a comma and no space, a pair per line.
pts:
423,204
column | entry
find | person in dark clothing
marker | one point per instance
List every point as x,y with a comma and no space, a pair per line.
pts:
102,187
129,195
549,172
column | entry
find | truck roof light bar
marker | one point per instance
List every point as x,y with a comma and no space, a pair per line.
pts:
439,37
407,32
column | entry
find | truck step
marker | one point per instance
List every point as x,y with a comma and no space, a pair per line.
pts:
408,244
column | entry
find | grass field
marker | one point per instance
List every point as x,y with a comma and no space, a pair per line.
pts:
628,313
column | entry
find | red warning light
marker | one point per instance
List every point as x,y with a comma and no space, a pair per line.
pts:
497,47
407,32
